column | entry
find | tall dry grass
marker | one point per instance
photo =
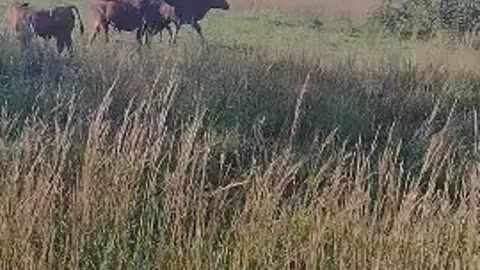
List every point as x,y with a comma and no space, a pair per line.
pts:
237,159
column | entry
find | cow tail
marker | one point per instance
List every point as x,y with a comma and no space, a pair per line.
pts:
75,10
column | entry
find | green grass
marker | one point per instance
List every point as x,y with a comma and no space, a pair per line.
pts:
277,145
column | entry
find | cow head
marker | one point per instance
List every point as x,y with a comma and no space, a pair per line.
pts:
220,4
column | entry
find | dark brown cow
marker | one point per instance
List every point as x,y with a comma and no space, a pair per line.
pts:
25,22
123,15
179,12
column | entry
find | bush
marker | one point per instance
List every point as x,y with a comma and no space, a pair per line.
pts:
423,18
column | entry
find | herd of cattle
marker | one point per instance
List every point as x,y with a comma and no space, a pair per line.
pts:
144,17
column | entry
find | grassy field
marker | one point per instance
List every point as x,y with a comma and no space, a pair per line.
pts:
297,137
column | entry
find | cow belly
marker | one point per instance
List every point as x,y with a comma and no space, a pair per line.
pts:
126,24
125,27
44,33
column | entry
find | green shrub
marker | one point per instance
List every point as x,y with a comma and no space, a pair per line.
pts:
423,18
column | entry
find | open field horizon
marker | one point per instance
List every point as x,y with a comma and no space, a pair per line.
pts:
324,7
347,8
297,137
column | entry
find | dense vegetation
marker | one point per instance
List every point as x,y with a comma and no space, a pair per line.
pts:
240,154
424,18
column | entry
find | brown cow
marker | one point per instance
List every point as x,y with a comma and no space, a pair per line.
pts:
18,22
123,15
179,12
26,22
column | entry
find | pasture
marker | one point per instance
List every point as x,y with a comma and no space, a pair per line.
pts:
297,137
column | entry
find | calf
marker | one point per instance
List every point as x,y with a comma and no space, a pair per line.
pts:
26,22
160,13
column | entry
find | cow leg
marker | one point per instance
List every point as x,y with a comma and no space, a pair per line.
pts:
169,29
69,44
106,32
160,33
139,35
95,31
147,37
60,45
198,29
173,39
146,33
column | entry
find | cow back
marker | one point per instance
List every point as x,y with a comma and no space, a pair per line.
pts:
63,21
